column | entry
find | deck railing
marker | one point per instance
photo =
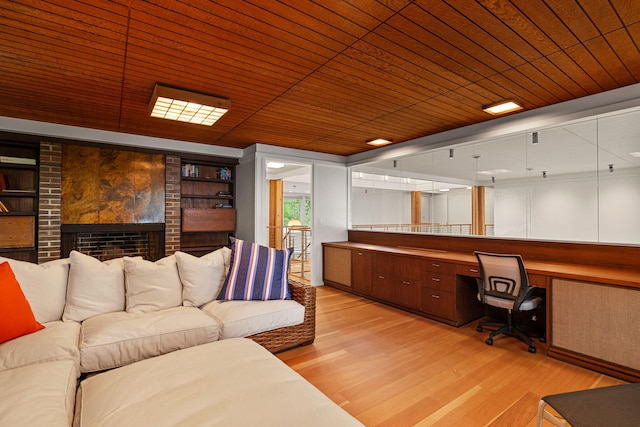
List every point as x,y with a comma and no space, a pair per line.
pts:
430,228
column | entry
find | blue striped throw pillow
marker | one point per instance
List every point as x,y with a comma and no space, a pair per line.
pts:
256,273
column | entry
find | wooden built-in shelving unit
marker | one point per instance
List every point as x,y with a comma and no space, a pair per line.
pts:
207,201
19,180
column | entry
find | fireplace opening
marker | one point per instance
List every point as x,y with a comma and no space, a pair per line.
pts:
108,241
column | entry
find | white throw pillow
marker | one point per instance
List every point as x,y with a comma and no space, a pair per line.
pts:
202,277
152,286
44,286
95,287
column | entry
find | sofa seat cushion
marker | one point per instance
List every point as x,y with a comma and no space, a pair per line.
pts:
244,318
57,341
38,395
115,339
227,383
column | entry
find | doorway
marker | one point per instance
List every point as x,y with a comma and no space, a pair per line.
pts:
290,213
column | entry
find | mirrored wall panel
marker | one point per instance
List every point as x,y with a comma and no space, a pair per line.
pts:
578,181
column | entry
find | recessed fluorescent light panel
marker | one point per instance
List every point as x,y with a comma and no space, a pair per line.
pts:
502,107
184,106
494,172
275,165
379,142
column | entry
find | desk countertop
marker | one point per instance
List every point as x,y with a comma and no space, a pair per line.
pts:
588,273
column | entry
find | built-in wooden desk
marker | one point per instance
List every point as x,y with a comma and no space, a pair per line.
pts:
592,312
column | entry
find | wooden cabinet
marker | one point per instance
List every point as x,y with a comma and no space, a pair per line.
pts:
361,271
596,325
19,181
438,290
397,279
337,266
207,195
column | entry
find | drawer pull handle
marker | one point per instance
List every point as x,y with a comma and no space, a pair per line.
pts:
380,277
435,265
435,279
474,270
406,282
360,253
435,296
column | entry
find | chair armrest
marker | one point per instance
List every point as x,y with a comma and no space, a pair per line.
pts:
303,294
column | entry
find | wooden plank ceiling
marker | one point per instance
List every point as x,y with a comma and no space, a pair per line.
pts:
324,76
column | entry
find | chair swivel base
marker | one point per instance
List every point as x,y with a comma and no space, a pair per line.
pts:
507,329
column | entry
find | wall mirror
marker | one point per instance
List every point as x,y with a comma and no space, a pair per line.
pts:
577,181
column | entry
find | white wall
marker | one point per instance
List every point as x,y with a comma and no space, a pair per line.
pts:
329,198
245,199
380,206
571,207
619,203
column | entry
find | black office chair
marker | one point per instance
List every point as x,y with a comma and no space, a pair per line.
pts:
503,283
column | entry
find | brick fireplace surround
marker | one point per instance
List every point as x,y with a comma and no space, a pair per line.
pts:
50,203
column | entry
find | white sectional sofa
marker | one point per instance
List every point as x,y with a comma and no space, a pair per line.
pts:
103,315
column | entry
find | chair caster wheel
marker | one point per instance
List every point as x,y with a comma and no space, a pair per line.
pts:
532,349
479,328
489,341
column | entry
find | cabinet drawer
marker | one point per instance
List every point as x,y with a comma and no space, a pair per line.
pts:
444,282
438,303
468,270
439,267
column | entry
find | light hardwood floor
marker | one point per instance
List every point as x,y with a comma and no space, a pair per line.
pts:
387,367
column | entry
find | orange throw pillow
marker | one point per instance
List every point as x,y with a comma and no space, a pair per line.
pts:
16,317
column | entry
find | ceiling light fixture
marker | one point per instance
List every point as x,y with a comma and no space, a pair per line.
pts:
185,106
502,107
493,171
451,153
275,165
635,154
379,142
534,138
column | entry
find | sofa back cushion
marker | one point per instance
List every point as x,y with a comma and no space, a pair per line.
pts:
256,273
16,317
202,277
44,286
150,285
95,287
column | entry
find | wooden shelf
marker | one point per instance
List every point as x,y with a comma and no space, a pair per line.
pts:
19,194
207,196
205,227
205,179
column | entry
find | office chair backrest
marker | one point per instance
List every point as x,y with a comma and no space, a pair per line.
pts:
504,282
